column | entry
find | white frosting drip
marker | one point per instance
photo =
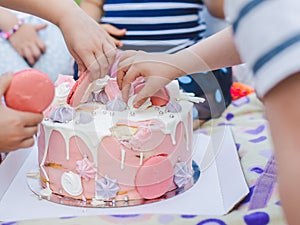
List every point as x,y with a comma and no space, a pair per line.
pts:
94,132
47,131
71,183
123,153
141,158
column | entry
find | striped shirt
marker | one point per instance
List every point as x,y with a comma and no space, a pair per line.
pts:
173,24
267,34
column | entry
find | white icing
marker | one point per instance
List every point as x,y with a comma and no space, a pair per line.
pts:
71,183
141,158
47,131
61,93
123,153
145,105
46,192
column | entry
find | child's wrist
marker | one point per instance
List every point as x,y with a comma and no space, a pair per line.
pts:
7,34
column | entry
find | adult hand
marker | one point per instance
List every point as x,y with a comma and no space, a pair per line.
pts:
18,128
27,42
157,69
93,49
115,33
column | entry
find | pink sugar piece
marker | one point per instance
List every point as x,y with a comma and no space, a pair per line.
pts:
30,91
155,177
112,90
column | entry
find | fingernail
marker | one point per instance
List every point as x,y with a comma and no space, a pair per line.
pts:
136,104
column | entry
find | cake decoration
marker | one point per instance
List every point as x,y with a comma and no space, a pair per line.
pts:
100,97
173,106
71,183
86,169
21,95
84,117
110,153
154,177
106,188
62,114
116,105
183,174
143,107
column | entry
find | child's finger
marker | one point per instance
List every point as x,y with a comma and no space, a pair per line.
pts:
5,80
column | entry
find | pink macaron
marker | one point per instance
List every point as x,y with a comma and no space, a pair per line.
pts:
78,89
30,91
155,177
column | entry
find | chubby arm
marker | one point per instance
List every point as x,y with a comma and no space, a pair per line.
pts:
283,114
54,10
7,19
25,40
215,52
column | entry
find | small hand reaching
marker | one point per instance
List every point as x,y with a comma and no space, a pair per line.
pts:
157,69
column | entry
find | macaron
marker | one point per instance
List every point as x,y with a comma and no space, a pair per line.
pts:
78,90
30,91
155,177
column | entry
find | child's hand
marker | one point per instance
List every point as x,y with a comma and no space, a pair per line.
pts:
115,33
17,128
27,42
93,49
157,69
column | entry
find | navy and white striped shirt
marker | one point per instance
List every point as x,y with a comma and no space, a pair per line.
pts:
267,34
173,24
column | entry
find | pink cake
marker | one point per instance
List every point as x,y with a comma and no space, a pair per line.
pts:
105,151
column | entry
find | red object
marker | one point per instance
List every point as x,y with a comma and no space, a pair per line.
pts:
30,91
239,90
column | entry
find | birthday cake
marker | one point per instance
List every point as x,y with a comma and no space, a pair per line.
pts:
105,151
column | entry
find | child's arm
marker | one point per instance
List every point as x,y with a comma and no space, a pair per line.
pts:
215,52
215,8
94,8
282,111
22,36
90,45
7,19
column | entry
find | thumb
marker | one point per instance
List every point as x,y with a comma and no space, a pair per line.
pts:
41,27
5,80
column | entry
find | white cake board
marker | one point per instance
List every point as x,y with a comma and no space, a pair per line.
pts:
220,187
